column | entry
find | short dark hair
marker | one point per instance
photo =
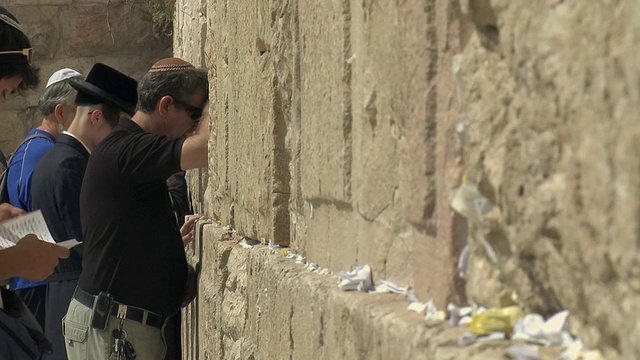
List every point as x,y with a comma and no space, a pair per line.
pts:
12,39
179,84
111,114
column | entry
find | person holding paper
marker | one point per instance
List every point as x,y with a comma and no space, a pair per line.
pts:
30,258
33,259
105,97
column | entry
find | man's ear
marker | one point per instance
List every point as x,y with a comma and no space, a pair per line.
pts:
58,113
164,104
94,118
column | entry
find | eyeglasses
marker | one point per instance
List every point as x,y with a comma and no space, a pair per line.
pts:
195,113
26,52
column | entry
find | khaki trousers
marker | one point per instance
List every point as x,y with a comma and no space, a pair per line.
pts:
83,342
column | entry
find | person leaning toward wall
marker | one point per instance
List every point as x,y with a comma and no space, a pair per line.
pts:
33,259
134,255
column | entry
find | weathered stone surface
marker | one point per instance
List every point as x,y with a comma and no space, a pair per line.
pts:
14,126
41,2
95,29
373,112
249,162
257,304
132,65
549,107
42,25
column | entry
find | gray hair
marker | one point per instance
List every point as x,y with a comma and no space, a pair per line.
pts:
179,84
58,93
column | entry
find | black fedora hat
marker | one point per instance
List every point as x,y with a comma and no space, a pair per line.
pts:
106,85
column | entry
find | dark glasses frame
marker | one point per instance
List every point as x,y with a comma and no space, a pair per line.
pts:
28,52
195,113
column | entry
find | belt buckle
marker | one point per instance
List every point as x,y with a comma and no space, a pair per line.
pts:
122,311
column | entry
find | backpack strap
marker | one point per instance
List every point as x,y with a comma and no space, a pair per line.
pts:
36,135
3,160
4,192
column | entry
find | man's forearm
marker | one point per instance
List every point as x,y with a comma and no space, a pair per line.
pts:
195,152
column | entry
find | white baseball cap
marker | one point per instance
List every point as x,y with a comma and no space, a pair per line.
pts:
61,75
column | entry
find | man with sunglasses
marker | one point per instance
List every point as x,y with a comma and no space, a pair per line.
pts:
133,250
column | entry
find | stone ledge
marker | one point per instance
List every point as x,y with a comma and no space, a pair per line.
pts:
256,303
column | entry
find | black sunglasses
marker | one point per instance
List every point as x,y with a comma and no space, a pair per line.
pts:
195,113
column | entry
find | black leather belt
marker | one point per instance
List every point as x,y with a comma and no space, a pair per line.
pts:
142,316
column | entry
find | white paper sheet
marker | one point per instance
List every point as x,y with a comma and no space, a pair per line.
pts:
11,231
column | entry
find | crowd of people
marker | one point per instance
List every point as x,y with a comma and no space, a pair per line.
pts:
105,167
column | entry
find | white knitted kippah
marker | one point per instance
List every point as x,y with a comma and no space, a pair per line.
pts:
61,75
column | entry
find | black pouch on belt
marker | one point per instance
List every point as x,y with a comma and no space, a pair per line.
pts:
101,311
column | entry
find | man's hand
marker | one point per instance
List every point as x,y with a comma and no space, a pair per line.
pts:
186,231
37,258
8,211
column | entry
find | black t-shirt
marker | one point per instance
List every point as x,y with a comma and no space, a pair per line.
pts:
132,246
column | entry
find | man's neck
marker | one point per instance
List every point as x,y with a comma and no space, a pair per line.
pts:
49,126
82,133
147,122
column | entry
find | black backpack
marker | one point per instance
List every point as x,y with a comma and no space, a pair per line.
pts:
4,193
21,337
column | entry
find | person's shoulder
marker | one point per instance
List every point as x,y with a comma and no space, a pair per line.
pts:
37,146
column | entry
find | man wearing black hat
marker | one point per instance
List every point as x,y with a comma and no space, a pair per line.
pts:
102,100
133,250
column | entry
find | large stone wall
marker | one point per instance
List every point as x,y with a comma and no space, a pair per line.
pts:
324,141
341,128
78,34
550,98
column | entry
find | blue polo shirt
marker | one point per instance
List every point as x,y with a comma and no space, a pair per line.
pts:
23,163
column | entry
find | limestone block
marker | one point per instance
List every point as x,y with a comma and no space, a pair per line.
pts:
289,312
322,322
251,172
14,126
325,100
107,1
46,2
42,23
133,65
82,65
95,29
